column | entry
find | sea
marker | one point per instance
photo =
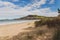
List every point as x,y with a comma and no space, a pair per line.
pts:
14,21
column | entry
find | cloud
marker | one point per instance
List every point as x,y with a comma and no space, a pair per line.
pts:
51,1
15,0
37,3
10,0
9,9
8,4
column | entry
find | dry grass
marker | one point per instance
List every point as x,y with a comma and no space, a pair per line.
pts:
51,23
46,29
39,33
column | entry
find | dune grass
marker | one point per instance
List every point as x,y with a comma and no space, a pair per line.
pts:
42,32
51,23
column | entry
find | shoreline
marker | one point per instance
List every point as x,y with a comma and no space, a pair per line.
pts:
13,29
18,21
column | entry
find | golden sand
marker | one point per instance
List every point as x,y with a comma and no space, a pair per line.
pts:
14,29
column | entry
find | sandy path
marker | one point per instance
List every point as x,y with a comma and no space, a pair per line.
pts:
14,29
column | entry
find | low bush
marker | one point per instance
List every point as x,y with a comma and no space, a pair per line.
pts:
51,22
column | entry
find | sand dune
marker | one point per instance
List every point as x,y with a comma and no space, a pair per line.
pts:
14,29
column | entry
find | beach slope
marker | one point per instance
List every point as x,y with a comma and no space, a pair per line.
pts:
13,29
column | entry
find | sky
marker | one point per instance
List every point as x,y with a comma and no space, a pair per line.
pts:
10,9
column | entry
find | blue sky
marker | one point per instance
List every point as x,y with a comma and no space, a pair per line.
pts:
10,9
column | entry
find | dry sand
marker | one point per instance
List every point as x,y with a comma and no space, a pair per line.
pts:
13,29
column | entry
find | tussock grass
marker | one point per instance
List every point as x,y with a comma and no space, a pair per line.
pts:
51,23
40,32
32,35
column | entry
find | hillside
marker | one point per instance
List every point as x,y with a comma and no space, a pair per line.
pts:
31,17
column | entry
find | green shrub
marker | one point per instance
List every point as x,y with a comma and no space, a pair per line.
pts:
51,22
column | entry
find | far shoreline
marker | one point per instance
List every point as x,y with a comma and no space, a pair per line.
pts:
14,22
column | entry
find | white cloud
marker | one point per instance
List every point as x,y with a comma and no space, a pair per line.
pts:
9,9
11,0
36,4
15,0
8,4
51,1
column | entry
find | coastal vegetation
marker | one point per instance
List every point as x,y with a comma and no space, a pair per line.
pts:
48,28
45,29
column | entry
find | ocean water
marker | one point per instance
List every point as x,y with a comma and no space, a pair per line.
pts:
14,21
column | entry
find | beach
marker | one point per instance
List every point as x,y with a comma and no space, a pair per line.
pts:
13,29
